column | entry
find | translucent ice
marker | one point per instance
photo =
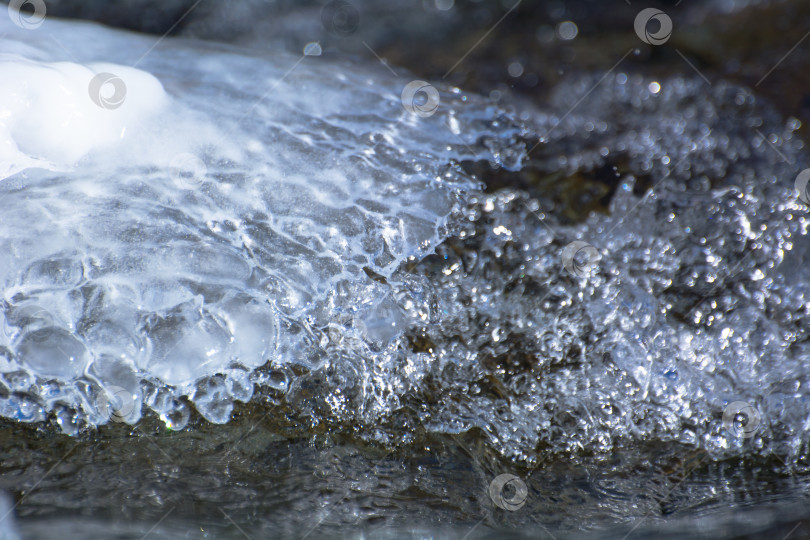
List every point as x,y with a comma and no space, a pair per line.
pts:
259,208
173,213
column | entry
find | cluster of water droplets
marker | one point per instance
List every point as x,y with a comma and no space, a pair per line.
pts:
294,269
698,299
695,303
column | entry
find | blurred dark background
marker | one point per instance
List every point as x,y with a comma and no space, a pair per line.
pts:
527,46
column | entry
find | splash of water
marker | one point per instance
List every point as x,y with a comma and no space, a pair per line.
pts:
199,260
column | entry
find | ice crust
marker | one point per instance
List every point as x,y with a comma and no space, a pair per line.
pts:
236,248
175,241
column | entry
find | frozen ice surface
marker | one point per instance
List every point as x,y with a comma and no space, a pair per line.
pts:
244,238
176,212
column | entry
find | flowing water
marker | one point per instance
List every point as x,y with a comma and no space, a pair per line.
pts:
256,295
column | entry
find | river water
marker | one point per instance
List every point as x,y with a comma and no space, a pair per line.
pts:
252,293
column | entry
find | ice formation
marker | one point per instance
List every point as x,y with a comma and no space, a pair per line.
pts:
261,227
173,214
50,118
